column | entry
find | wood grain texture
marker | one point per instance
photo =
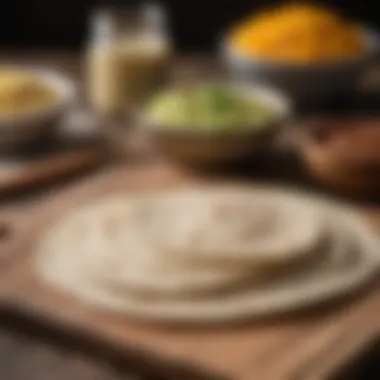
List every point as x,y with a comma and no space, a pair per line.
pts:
281,349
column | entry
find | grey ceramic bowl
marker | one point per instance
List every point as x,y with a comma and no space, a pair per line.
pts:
304,83
16,131
191,146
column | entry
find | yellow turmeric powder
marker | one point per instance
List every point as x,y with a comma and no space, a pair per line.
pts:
299,33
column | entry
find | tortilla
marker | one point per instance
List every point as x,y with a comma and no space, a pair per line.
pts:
353,261
145,242
231,227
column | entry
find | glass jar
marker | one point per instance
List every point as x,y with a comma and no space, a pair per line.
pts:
128,56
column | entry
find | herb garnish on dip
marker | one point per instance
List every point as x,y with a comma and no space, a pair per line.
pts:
210,107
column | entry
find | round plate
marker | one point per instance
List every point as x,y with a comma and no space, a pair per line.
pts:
356,262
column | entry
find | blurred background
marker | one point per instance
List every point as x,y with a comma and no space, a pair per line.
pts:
196,25
91,139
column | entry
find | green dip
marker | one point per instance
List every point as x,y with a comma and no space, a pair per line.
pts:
209,107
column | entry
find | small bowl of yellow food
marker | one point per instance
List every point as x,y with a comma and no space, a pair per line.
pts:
306,50
33,101
212,124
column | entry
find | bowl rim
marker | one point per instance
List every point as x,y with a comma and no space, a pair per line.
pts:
369,33
61,83
280,102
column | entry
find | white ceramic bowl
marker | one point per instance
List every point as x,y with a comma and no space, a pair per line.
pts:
192,146
303,82
18,130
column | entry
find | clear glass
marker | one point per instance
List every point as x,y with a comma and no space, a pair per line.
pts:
128,56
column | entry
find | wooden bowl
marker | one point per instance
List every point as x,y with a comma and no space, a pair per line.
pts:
343,153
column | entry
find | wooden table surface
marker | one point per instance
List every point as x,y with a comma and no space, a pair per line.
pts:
23,355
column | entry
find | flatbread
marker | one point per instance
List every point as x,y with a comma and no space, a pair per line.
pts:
239,228
102,256
140,242
353,262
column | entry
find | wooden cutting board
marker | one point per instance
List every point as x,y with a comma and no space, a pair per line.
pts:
310,346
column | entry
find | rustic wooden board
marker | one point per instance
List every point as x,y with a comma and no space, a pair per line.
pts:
307,346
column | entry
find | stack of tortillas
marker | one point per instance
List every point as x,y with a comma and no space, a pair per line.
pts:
208,254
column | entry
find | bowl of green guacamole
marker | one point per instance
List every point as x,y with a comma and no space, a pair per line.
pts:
214,123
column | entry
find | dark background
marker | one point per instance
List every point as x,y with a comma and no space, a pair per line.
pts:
195,24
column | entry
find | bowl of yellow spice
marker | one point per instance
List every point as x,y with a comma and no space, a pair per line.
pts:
33,101
308,51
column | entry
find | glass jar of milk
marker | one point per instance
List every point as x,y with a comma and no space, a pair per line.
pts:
128,56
